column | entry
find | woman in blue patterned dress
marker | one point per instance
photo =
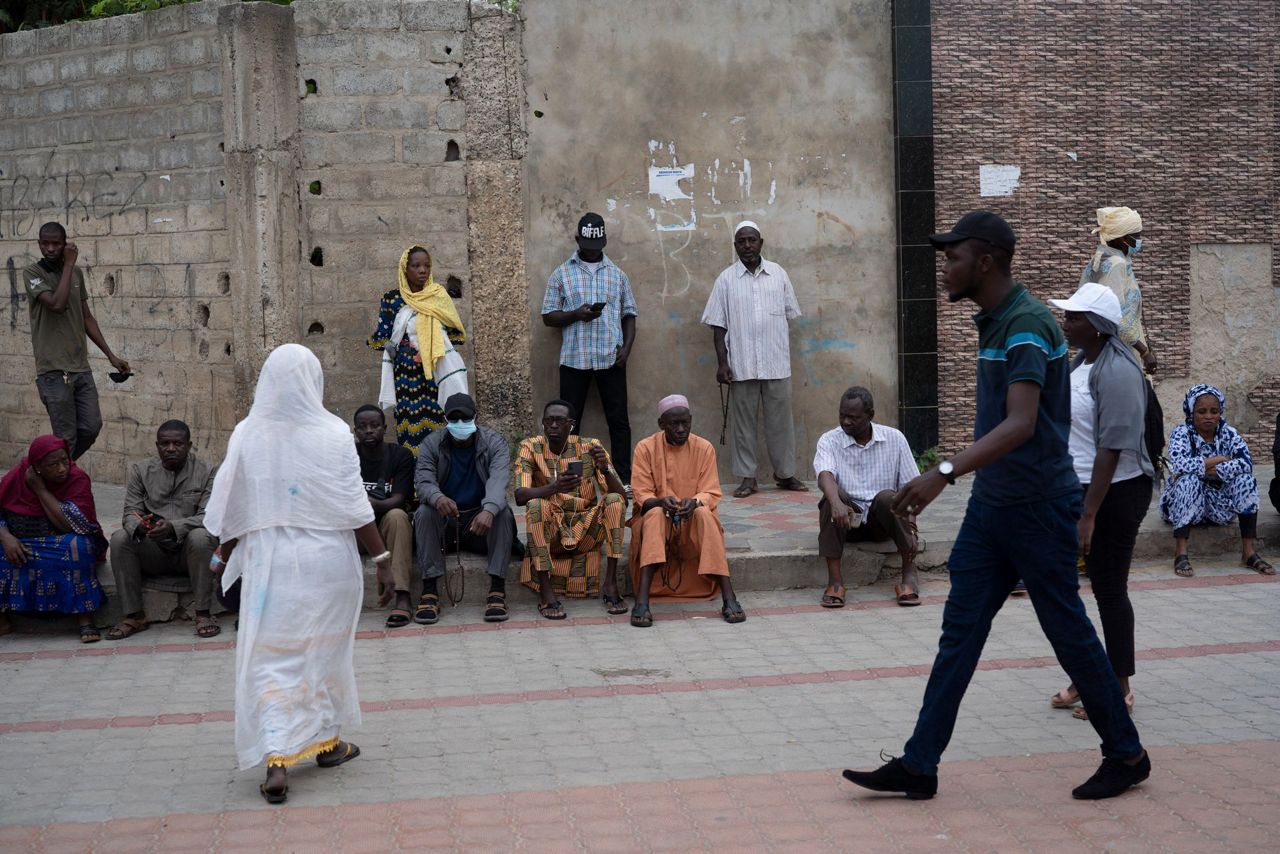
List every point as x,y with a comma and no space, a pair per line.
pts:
418,327
1210,479
51,538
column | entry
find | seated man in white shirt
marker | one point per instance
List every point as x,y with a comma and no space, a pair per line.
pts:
860,467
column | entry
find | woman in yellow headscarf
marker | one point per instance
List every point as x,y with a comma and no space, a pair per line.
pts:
418,327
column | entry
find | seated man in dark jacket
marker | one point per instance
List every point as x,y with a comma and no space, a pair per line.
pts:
461,479
1275,460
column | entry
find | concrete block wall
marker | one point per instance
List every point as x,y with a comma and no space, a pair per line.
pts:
382,147
1150,104
114,129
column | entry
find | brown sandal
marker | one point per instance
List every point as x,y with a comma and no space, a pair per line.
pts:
207,628
907,595
126,628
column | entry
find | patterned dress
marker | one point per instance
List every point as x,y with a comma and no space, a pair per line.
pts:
1188,498
565,531
418,410
60,577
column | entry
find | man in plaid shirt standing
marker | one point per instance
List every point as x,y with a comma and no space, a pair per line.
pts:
590,298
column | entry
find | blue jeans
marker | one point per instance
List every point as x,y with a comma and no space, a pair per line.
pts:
1036,541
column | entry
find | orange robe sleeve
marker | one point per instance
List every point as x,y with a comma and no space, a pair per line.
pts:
644,485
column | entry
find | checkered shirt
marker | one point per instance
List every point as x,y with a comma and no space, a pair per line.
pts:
590,345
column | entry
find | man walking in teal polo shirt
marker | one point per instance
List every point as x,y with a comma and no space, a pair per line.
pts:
1021,520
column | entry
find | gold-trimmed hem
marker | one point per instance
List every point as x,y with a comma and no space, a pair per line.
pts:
279,760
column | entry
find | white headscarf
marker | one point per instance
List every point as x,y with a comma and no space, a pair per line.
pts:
290,463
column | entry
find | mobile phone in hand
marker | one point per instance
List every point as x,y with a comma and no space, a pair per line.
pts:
598,306
574,468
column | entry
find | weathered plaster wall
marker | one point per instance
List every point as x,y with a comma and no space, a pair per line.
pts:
787,123
1235,338
113,128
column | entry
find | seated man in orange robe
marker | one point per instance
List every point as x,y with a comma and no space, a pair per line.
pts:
677,543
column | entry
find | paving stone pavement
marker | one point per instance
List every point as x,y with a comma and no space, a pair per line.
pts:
693,735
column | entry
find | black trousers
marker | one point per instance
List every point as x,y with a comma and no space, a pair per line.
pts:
612,383
1114,534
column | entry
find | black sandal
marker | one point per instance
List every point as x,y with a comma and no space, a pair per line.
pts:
733,613
615,606
90,634
428,611
1182,566
273,796
1257,564
495,607
544,610
351,752
641,616
398,618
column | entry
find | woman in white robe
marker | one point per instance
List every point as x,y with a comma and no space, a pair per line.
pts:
284,504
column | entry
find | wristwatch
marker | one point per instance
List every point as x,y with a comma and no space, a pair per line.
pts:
948,471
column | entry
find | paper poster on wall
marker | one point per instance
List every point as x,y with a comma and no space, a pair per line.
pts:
997,179
664,181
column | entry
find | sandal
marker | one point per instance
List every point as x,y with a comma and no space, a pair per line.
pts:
745,490
495,607
906,595
398,618
1182,566
274,796
1066,698
552,610
792,484
349,752
1257,564
641,616
833,596
207,628
615,606
90,634
428,611
732,612
126,628
1081,715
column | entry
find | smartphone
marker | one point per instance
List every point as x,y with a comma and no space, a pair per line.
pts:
575,468
598,306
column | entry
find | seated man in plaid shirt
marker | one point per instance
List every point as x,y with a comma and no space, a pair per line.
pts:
860,467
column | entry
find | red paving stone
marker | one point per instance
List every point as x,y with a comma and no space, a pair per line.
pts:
996,804
668,687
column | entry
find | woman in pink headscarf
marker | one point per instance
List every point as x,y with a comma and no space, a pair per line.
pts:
51,538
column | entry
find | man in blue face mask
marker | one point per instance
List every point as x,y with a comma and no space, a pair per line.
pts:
461,480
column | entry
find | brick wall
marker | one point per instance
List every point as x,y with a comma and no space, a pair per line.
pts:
113,128
1161,105
382,148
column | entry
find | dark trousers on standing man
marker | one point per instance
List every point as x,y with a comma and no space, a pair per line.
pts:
612,383
72,403
1038,541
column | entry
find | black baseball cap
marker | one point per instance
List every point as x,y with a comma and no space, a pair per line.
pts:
460,403
978,225
591,231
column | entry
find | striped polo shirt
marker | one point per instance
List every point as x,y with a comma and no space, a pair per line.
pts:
1020,341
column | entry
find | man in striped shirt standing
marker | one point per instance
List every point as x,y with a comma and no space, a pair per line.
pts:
861,466
748,311
590,298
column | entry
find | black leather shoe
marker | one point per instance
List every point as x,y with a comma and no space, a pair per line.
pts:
1112,778
893,777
